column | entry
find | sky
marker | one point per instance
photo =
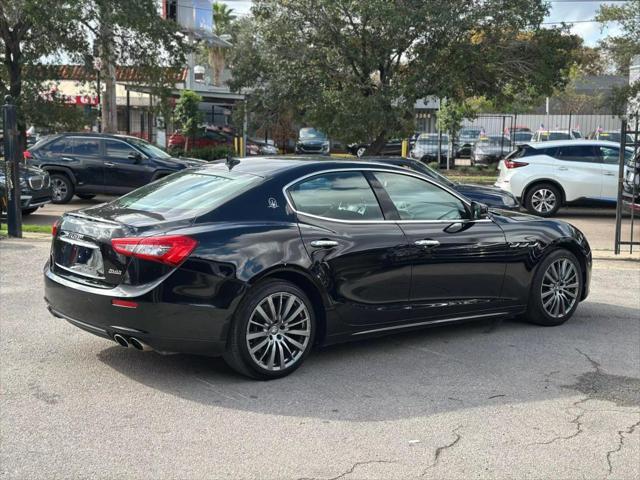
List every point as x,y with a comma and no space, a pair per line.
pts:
561,10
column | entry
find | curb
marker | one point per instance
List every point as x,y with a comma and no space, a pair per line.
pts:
609,255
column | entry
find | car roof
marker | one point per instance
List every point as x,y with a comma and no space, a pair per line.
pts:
273,165
563,143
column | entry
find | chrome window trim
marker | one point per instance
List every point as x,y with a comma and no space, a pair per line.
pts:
285,192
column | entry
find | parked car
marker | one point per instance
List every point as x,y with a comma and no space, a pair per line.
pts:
610,136
260,259
467,138
551,135
546,176
203,139
313,141
35,188
264,148
393,147
520,138
491,196
490,149
87,164
426,147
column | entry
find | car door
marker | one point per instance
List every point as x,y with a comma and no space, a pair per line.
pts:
458,263
82,155
354,251
610,170
579,171
126,168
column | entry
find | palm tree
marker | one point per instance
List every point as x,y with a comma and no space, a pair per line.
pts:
222,19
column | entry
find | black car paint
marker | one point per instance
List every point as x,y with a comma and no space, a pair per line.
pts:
103,173
375,282
30,196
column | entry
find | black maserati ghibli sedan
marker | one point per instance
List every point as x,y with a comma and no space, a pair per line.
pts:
260,259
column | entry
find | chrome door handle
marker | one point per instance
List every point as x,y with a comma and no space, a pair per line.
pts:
564,169
609,174
109,164
427,243
324,243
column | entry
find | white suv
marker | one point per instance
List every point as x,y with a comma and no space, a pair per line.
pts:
547,175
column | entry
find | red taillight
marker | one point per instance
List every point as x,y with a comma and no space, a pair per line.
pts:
514,164
55,226
27,155
169,249
124,303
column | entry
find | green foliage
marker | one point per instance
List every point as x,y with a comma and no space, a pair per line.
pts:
187,115
451,115
623,47
223,18
355,68
209,154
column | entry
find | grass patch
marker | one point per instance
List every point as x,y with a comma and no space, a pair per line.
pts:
28,228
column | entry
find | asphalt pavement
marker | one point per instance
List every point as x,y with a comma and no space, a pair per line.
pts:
479,400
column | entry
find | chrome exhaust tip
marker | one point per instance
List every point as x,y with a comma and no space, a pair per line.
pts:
139,345
120,340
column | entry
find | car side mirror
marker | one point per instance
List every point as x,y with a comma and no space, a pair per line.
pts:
479,211
135,156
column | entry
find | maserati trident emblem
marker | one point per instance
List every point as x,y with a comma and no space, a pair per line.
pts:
272,202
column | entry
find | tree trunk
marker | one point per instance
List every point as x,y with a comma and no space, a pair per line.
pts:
375,149
108,74
13,62
216,62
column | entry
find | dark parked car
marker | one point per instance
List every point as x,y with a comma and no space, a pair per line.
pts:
490,149
35,188
259,259
393,147
87,164
313,141
493,197
467,138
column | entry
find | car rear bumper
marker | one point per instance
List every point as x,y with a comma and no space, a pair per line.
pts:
165,327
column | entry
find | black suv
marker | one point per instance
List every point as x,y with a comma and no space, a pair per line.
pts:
87,164
35,188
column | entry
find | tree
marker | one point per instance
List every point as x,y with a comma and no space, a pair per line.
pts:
29,31
222,20
354,69
188,115
128,32
623,47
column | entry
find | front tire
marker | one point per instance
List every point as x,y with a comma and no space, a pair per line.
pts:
544,200
272,332
556,289
85,196
61,188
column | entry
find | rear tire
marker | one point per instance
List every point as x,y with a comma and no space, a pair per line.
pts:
61,188
556,289
272,331
543,199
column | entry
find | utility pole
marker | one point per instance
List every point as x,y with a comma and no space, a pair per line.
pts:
12,168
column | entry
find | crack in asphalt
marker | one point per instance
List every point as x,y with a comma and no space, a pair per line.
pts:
575,421
442,448
621,434
358,464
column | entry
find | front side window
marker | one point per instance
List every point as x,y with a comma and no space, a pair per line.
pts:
339,196
417,199
578,153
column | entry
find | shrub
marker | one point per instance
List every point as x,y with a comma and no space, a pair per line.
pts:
208,153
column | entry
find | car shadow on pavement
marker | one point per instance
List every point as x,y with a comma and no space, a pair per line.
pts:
411,374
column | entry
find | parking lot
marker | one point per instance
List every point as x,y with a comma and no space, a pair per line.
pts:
480,400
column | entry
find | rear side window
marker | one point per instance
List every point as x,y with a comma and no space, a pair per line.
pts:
185,194
61,146
339,196
86,146
578,153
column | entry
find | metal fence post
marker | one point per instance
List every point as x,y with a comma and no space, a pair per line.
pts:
623,130
12,166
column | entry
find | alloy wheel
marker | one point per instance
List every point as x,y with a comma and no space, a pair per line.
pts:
559,288
543,200
279,331
59,189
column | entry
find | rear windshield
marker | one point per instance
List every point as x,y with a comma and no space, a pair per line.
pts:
185,194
